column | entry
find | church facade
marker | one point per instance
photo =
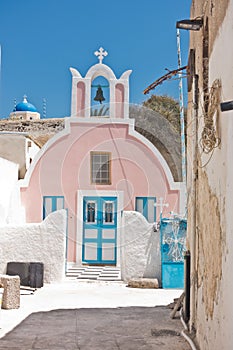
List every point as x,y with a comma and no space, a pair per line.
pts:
97,168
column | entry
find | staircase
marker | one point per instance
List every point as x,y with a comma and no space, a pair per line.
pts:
100,273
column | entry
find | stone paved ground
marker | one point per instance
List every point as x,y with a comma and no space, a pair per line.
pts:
92,315
125,328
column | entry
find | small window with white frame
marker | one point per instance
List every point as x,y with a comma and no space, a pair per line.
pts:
101,168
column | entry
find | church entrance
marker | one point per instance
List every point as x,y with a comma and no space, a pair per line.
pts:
99,230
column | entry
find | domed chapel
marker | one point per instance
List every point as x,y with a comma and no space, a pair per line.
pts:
24,111
97,168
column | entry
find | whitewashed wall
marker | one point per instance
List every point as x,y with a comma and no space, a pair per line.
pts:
43,242
10,207
140,248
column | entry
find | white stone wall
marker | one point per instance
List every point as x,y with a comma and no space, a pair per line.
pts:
140,248
44,242
9,193
23,115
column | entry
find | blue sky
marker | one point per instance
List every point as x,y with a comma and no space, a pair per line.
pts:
41,39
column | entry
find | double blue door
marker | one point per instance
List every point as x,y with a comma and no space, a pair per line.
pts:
99,230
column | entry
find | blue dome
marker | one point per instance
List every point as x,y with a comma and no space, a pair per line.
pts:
25,106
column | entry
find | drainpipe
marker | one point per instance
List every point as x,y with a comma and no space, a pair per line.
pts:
194,205
187,286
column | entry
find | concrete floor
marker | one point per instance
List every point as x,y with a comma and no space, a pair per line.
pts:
92,315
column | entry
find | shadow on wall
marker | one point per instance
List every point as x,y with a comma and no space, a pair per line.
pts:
153,252
160,132
140,248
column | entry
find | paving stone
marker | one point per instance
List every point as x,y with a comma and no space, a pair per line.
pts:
126,328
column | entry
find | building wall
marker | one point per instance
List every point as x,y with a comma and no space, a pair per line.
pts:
24,115
64,169
210,185
18,149
150,124
9,199
43,242
215,11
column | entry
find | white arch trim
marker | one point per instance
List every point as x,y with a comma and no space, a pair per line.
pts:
125,75
100,69
66,131
75,73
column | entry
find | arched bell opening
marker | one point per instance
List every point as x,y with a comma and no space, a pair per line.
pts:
119,100
100,97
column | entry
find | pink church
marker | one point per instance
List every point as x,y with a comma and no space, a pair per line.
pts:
96,168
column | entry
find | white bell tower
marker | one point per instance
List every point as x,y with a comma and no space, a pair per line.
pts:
118,90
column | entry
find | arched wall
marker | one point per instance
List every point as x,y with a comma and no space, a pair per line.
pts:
64,168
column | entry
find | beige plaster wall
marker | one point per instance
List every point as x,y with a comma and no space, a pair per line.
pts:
19,149
210,222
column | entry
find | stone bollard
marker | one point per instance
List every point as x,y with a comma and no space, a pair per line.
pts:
11,293
143,283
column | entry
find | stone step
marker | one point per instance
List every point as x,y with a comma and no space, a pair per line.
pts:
110,271
107,273
102,278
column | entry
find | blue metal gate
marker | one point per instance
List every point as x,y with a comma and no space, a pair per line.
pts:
173,237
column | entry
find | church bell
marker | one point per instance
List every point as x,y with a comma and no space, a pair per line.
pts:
99,95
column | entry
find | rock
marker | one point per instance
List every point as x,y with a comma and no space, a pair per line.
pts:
144,283
11,293
40,130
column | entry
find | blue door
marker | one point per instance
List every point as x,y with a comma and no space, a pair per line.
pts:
173,234
146,206
99,230
51,204
54,203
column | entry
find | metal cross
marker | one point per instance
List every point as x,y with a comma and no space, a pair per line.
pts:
101,54
161,204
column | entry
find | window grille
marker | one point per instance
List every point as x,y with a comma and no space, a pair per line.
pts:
101,168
